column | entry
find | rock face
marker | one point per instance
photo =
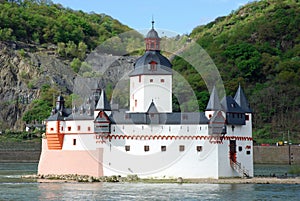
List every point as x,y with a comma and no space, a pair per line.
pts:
25,68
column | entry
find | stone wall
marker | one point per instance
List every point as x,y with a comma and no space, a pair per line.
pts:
276,154
20,151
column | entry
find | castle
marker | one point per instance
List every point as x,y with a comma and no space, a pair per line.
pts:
150,140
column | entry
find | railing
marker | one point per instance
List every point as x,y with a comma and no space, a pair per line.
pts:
238,167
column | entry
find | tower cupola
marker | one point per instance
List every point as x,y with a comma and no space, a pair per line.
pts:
152,40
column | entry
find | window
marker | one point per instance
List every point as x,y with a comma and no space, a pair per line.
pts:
248,152
51,129
151,80
247,117
140,78
135,103
199,148
89,128
209,116
162,80
181,148
74,142
62,128
163,148
69,128
127,148
153,65
78,128
240,148
146,148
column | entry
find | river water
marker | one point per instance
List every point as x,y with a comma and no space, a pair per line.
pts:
12,187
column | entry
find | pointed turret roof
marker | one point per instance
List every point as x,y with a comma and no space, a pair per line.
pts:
103,103
152,108
241,100
214,101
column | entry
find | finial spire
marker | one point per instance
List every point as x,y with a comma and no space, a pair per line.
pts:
152,22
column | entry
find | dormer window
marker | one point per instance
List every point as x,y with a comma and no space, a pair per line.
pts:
153,65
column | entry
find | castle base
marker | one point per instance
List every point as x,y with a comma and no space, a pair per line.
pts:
58,161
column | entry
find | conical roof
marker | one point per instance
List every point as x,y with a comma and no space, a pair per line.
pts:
103,103
152,108
214,101
241,100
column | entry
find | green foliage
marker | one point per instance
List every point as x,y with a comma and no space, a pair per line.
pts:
40,108
75,65
257,46
295,170
43,22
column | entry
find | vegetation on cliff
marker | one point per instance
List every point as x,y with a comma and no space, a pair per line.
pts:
258,47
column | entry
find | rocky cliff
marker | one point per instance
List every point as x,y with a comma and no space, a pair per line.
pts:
26,68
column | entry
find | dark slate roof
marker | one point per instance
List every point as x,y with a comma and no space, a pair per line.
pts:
164,118
60,115
214,101
152,55
145,70
77,116
241,99
103,103
152,34
152,108
229,105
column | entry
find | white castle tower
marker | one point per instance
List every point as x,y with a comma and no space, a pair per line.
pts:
151,79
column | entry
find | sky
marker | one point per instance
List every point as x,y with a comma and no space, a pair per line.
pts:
179,16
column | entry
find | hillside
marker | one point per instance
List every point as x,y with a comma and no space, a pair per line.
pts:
42,46
258,46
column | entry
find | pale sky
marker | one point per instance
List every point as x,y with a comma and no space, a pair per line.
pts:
177,16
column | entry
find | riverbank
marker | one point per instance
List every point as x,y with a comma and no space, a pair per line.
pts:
135,179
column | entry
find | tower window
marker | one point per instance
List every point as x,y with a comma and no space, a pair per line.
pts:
140,78
135,103
74,142
152,45
163,148
153,65
240,148
69,128
146,148
248,152
247,117
127,148
162,80
151,80
199,148
78,128
181,148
